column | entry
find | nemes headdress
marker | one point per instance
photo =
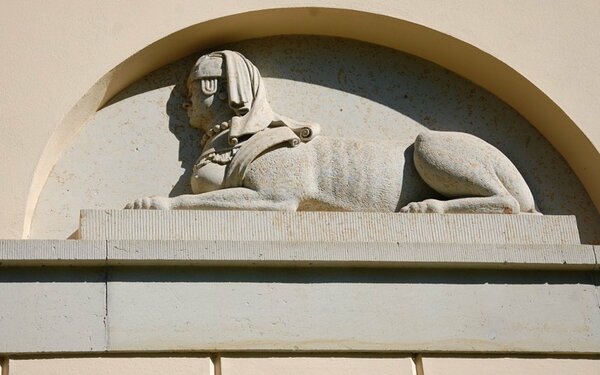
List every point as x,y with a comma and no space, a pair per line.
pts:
247,96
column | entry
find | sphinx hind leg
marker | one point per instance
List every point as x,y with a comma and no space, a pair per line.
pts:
461,166
496,204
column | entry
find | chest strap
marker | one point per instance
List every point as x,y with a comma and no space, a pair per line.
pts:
252,148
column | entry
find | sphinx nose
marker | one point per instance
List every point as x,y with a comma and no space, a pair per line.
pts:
186,105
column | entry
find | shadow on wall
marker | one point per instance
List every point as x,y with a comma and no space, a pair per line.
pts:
359,90
188,137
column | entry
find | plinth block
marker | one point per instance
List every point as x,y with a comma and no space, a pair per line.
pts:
327,227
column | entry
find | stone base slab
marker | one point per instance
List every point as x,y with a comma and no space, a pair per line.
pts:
360,310
302,282
326,227
54,309
125,296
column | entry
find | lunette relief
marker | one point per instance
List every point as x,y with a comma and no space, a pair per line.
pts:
256,159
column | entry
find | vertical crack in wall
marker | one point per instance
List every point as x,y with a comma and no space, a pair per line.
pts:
215,360
105,319
4,364
418,365
596,277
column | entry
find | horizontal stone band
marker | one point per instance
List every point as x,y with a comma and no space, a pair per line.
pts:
291,254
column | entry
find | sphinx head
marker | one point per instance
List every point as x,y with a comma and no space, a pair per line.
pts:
221,85
206,104
225,86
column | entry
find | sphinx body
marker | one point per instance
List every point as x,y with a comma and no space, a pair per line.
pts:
337,174
256,159
357,175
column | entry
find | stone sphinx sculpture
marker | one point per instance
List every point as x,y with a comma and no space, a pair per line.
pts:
255,159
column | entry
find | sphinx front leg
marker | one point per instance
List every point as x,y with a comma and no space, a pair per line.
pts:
150,203
225,199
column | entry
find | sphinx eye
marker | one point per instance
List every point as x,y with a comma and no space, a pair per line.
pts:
209,86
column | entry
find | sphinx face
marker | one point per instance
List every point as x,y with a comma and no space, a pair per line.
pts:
205,108
207,102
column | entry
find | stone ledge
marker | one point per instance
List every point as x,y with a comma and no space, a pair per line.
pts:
49,252
52,309
351,303
348,309
295,254
364,254
326,227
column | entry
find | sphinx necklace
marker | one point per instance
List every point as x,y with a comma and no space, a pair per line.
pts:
222,157
212,131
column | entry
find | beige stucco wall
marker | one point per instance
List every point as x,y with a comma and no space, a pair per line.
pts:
541,58
299,365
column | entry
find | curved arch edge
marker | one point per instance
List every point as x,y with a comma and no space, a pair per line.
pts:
447,51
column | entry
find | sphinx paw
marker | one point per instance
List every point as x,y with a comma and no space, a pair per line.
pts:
426,206
150,203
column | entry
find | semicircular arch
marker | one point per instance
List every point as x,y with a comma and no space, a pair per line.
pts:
447,51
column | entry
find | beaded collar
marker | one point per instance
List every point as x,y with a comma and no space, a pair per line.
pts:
212,131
